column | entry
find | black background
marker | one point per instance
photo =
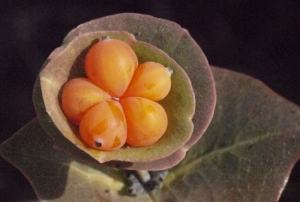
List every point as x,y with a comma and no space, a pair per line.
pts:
258,38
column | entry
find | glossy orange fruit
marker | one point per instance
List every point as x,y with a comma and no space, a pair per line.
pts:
78,95
150,80
110,64
103,127
146,120
116,104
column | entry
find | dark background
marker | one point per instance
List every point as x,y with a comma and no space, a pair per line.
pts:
258,38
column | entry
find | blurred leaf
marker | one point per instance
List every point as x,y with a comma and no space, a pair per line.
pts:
248,151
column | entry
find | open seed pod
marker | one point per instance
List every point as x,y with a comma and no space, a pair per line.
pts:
192,92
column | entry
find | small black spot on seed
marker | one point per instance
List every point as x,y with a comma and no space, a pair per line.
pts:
98,143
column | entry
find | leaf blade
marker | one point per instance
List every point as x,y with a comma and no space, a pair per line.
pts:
242,156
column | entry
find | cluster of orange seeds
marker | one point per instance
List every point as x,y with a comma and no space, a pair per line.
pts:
116,104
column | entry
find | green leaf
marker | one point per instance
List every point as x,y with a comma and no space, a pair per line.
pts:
56,176
178,44
179,104
246,154
177,50
248,151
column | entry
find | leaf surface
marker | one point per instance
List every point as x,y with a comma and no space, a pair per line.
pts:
246,154
248,151
176,46
179,105
56,176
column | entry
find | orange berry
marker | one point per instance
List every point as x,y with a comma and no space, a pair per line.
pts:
110,64
151,80
78,95
146,121
103,127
